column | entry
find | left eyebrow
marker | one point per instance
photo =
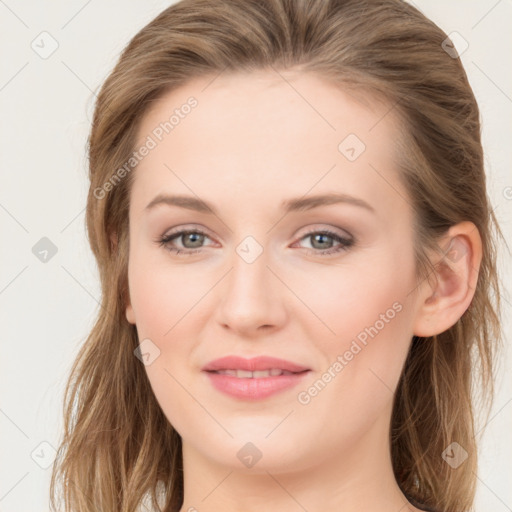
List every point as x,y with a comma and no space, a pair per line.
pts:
307,203
290,205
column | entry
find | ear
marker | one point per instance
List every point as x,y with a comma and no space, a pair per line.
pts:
129,313
442,304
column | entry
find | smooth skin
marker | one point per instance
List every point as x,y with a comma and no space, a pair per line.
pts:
252,142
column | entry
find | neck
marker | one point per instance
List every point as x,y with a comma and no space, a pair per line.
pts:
354,479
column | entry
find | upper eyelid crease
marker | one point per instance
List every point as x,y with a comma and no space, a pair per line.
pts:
290,205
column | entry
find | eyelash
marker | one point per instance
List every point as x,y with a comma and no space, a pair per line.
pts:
346,243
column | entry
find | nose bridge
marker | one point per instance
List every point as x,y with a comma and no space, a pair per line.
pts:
249,277
250,297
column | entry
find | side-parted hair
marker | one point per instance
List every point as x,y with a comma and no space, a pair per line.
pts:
118,449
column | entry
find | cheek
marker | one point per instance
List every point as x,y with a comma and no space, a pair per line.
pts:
160,294
363,360
349,299
162,299
366,318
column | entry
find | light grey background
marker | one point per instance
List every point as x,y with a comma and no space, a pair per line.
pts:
48,308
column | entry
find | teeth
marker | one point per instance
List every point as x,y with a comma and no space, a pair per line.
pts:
262,373
244,374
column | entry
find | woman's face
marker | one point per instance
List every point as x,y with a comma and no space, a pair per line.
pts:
270,271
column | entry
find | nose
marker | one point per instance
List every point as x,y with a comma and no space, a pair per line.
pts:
252,300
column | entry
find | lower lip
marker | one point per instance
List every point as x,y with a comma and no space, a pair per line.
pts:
254,389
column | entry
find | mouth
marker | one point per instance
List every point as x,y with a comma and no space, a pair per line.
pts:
253,379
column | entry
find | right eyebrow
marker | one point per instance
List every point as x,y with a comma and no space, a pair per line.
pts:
188,202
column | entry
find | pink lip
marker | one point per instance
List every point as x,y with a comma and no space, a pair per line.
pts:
253,388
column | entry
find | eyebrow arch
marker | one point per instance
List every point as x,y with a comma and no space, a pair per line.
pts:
290,205
307,203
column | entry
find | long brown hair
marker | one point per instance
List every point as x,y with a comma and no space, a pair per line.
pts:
118,449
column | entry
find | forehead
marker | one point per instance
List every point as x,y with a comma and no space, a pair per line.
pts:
269,135
269,101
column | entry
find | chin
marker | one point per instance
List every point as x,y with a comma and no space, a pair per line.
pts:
253,450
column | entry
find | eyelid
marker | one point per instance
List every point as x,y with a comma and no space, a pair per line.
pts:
342,233
187,227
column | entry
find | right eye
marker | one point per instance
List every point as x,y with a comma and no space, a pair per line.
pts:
194,236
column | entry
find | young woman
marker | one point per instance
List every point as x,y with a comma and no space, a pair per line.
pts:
297,255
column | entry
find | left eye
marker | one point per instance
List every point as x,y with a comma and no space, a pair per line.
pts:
197,237
318,239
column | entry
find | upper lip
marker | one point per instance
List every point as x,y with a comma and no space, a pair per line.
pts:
254,364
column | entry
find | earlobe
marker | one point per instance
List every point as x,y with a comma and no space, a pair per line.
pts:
442,304
130,316
129,313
